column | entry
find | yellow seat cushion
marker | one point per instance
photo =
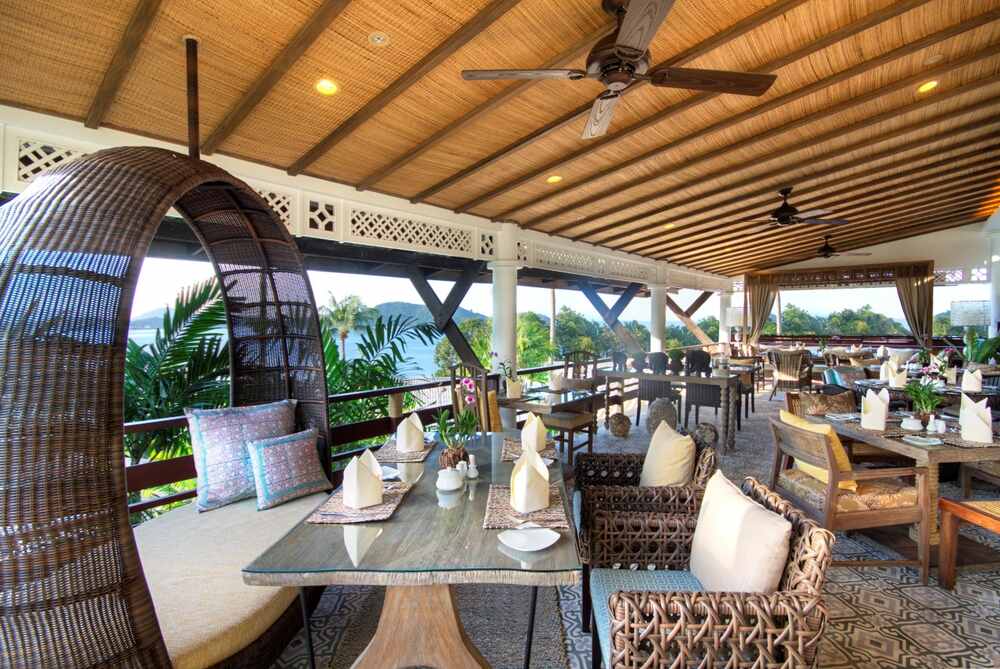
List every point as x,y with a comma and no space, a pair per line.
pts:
839,453
193,562
870,495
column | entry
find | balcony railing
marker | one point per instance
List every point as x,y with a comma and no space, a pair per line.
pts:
174,470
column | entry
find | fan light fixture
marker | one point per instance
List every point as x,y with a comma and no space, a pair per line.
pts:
553,179
927,86
327,87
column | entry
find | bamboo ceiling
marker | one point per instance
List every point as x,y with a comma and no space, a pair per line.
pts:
679,174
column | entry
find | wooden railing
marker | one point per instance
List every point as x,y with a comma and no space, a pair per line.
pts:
892,341
175,470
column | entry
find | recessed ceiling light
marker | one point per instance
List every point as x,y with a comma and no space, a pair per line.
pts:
378,38
327,87
669,226
927,86
553,179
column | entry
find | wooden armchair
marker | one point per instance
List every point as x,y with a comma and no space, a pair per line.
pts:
792,370
881,499
611,481
651,611
580,369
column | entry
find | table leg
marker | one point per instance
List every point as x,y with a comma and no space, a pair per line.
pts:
948,550
531,627
304,607
420,627
933,491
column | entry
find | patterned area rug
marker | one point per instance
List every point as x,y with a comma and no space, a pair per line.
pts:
880,618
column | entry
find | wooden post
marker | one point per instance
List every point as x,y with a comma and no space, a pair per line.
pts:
685,316
395,408
191,49
442,313
611,315
778,321
552,323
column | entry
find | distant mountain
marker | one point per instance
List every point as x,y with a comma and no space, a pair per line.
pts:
149,320
419,312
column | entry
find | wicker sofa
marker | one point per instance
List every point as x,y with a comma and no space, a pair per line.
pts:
611,481
651,612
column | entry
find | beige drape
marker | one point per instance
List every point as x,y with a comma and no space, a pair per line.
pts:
761,291
916,294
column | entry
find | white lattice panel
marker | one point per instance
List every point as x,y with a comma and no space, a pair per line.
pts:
590,263
487,245
631,270
34,157
283,205
949,276
523,252
394,229
321,217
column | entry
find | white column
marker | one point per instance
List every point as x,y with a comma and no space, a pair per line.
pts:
505,306
725,302
657,316
994,281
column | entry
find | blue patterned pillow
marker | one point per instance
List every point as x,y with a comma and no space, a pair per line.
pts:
219,439
286,468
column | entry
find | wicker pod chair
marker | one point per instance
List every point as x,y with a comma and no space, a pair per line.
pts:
611,481
672,626
74,591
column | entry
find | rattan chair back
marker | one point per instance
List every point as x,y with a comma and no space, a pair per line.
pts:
658,362
71,247
579,365
698,362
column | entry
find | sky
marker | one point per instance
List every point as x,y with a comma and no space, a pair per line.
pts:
161,279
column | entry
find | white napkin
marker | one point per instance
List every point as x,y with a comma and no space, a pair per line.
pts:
410,434
529,483
363,482
972,381
556,380
951,375
898,379
533,434
886,371
882,351
874,409
976,420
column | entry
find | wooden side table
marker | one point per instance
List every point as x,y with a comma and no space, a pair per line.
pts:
985,514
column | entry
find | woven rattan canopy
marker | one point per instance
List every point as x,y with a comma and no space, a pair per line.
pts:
72,591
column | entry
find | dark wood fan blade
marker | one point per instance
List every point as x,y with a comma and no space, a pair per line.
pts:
852,254
642,19
600,115
823,221
719,81
479,75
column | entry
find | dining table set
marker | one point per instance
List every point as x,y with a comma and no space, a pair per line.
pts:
429,531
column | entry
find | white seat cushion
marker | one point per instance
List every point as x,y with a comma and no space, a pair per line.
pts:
669,460
193,564
738,545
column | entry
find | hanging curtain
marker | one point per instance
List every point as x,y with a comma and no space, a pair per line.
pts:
915,286
761,291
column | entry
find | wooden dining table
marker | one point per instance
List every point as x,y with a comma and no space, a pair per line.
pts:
433,541
953,450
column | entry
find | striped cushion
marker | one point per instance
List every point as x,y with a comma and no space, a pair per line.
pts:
286,468
605,582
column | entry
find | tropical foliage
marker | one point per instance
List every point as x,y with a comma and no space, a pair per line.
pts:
343,316
533,347
979,349
863,321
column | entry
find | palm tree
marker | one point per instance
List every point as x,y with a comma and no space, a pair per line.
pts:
345,315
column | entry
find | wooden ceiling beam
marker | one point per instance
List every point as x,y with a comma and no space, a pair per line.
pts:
700,49
138,25
306,36
578,49
809,241
906,229
832,111
438,55
782,156
878,209
764,199
742,229
735,119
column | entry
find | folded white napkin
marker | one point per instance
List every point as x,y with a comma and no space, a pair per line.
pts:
976,420
972,381
898,379
529,483
881,351
951,375
410,434
874,409
533,434
886,371
363,482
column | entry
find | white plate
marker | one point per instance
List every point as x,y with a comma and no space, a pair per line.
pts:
528,537
547,461
389,473
922,441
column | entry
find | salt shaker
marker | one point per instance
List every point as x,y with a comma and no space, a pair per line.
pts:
473,471
942,427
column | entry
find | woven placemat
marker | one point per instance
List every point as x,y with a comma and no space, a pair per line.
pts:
500,515
511,450
333,511
389,453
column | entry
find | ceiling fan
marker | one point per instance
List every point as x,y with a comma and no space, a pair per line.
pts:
827,251
786,214
623,57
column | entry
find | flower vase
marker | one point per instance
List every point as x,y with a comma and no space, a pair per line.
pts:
924,417
514,389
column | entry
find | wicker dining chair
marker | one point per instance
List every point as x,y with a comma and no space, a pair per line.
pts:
488,414
882,498
650,613
608,481
792,370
